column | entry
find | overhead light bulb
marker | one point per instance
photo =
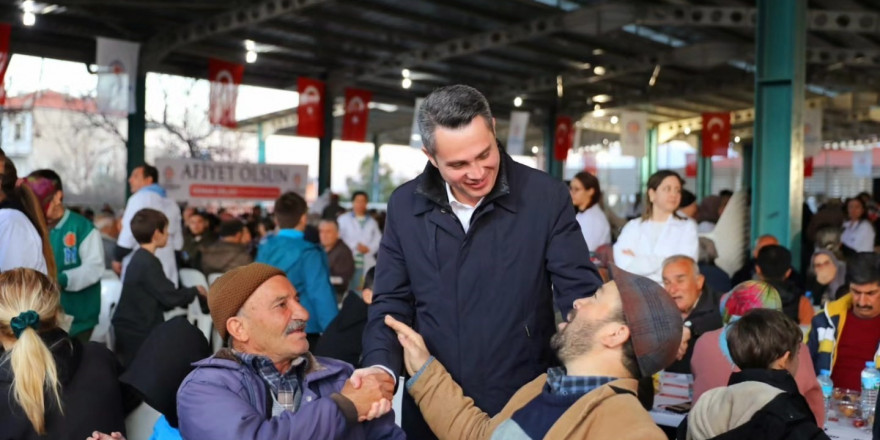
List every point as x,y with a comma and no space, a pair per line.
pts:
251,56
250,45
535,149
599,70
517,101
28,18
406,83
736,139
687,130
601,99
615,119
405,73
598,112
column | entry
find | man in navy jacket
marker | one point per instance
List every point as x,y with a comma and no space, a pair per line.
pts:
475,251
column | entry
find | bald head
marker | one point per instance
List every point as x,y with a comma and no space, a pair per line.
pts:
762,241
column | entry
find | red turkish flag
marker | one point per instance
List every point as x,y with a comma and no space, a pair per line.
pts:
354,125
5,55
808,167
716,134
690,167
311,108
225,78
590,164
563,139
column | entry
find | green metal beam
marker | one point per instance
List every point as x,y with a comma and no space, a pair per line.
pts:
137,124
648,163
375,185
325,149
554,167
704,172
778,155
261,144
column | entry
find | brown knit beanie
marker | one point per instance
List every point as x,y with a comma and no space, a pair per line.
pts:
230,291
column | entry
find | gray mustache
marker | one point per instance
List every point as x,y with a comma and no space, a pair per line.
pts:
295,325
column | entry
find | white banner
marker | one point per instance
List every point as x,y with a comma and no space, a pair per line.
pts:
633,134
192,179
862,163
812,131
415,137
117,62
516,134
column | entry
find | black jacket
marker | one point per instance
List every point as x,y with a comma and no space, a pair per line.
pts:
342,338
790,294
146,295
786,417
705,317
482,300
90,393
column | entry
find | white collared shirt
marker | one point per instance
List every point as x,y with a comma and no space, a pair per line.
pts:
462,211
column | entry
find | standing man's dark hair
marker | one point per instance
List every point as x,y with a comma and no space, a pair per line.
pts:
451,107
774,261
146,222
151,172
289,210
355,195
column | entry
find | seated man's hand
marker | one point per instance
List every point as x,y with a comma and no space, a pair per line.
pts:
685,340
359,374
373,398
415,353
101,436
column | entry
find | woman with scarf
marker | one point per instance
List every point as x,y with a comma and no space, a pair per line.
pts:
712,364
826,279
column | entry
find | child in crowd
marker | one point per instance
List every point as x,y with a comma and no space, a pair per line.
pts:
761,401
146,292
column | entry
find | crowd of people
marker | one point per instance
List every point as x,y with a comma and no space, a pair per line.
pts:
505,303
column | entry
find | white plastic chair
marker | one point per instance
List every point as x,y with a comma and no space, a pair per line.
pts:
140,423
111,290
213,277
193,278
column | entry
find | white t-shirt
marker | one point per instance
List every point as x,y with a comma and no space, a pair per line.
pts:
20,243
594,225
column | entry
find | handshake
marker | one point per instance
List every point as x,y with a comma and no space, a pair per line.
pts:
370,390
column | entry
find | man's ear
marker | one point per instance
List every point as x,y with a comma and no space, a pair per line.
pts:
787,273
700,281
614,335
58,197
430,157
237,329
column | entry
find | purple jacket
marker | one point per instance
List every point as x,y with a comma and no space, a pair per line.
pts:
224,399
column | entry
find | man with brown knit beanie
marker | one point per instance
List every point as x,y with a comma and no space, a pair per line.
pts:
267,385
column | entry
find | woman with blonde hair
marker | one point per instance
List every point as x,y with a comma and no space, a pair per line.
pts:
54,386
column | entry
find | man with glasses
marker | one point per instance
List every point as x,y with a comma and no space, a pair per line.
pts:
847,333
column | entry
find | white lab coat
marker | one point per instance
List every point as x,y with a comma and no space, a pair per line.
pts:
858,236
149,199
352,233
677,237
594,226
20,243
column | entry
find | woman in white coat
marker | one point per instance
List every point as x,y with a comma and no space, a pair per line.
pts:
858,234
586,195
660,233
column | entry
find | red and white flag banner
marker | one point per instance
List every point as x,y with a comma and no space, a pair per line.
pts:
311,108
563,138
225,78
357,112
716,134
5,55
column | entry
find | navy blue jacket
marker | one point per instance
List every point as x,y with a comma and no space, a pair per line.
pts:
483,301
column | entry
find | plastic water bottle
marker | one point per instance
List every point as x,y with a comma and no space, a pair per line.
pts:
870,386
827,389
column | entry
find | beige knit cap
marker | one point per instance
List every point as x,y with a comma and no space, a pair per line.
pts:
230,291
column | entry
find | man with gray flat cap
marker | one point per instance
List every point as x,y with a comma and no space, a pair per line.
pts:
267,385
630,329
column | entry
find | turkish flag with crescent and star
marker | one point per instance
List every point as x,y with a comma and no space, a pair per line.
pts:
563,139
311,108
225,78
354,125
716,134
5,32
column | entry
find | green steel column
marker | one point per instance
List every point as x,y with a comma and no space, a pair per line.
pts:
704,172
778,155
554,167
136,128
261,144
375,185
326,142
648,163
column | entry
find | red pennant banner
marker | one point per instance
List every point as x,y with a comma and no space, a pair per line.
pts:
311,108
225,78
564,138
690,167
354,126
590,164
808,167
5,55
716,134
